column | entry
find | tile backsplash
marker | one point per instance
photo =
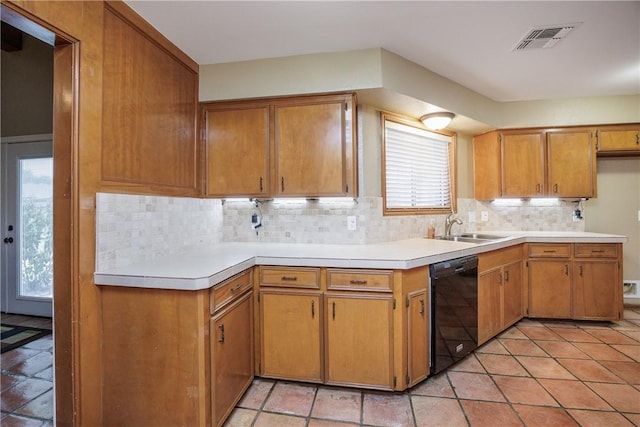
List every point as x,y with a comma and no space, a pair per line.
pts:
133,228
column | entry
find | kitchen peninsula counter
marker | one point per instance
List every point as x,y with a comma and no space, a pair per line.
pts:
205,266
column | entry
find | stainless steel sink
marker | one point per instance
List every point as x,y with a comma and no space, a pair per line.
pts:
471,238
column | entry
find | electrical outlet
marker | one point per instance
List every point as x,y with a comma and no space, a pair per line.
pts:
351,223
484,216
472,217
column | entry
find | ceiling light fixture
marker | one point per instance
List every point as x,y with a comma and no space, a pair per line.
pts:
437,120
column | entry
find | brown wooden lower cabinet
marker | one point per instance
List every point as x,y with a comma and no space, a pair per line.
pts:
231,356
418,336
359,340
500,298
575,281
290,324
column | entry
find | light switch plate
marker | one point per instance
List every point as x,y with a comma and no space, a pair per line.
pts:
351,223
484,216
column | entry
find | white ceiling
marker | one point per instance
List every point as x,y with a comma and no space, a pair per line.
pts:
469,42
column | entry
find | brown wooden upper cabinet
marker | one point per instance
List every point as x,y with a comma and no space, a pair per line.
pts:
149,112
535,163
619,140
302,146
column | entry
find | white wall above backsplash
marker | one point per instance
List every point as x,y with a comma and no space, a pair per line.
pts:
134,228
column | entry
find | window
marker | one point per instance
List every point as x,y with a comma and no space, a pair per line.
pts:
418,168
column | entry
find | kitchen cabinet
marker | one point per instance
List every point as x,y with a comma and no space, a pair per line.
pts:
500,299
571,166
349,328
359,328
148,135
237,149
522,164
301,146
291,316
597,283
575,281
418,336
359,347
534,163
549,280
175,357
231,356
231,343
620,140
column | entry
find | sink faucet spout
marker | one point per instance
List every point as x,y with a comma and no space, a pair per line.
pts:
448,223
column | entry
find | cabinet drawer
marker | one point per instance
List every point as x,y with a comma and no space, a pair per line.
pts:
225,292
369,280
497,258
590,250
294,277
550,250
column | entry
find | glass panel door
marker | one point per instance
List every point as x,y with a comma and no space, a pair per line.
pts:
27,261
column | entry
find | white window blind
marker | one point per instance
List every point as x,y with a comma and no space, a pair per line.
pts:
417,168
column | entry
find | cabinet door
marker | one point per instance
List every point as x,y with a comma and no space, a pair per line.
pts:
596,292
231,356
290,333
310,149
571,164
522,165
359,346
512,294
619,140
237,151
550,288
486,166
418,323
489,304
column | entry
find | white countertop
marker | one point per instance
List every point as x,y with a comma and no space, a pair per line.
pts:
203,267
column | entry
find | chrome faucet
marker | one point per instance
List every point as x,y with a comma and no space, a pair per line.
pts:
448,223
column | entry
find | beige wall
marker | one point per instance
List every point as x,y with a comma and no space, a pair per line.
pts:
27,89
616,208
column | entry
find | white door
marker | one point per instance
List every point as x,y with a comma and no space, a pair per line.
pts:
27,227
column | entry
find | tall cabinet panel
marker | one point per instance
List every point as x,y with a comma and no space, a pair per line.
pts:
149,113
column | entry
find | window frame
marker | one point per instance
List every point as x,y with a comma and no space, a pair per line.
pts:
398,119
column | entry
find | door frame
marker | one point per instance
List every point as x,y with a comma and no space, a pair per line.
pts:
66,71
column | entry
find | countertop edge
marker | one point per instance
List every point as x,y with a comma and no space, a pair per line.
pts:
248,258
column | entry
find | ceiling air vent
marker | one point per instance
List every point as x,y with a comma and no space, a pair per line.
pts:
545,37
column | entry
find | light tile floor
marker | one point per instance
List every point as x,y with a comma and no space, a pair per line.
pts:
537,373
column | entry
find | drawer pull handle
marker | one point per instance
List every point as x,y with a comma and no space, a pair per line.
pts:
506,276
235,288
333,310
357,282
549,251
566,269
580,269
313,309
221,339
597,251
289,278
422,307
555,188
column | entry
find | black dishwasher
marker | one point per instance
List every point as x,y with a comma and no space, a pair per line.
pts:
454,311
